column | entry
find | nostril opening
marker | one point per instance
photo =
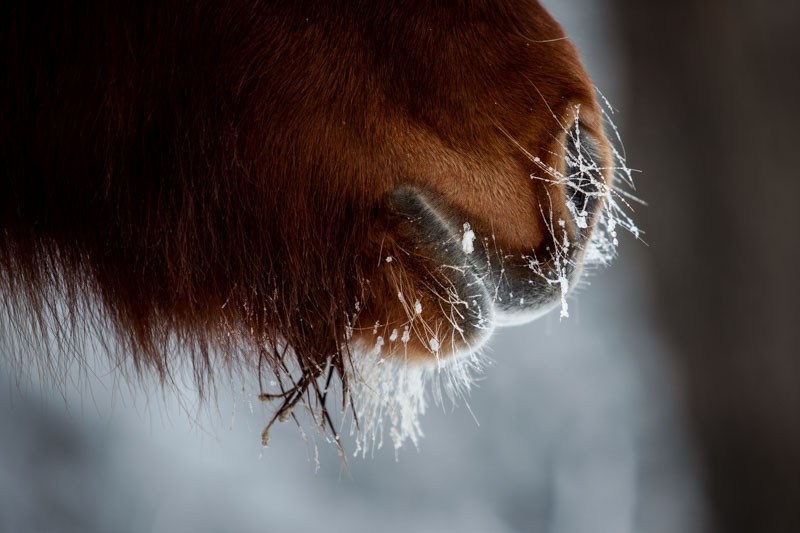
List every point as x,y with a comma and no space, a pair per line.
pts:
584,181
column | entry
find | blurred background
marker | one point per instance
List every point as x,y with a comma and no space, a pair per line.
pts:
668,402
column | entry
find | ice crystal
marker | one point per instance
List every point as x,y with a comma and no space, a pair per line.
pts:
467,241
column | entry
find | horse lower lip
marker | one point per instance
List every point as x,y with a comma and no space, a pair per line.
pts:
507,319
524,294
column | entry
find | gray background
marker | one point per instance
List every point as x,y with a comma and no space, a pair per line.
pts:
668,402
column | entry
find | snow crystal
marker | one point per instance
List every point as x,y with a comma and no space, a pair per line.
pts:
468,239
434,345
378,345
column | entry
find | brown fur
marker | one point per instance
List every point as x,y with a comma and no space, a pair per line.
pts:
216,174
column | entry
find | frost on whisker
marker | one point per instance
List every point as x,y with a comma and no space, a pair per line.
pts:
589,182
390,395
389,391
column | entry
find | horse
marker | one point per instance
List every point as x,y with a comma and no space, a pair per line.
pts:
294,189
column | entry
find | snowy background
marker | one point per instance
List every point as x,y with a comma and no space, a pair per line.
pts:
590,424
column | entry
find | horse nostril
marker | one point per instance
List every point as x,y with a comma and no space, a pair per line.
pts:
584,179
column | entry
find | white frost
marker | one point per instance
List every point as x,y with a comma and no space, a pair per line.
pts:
467,241
378,345
434,345
389,395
